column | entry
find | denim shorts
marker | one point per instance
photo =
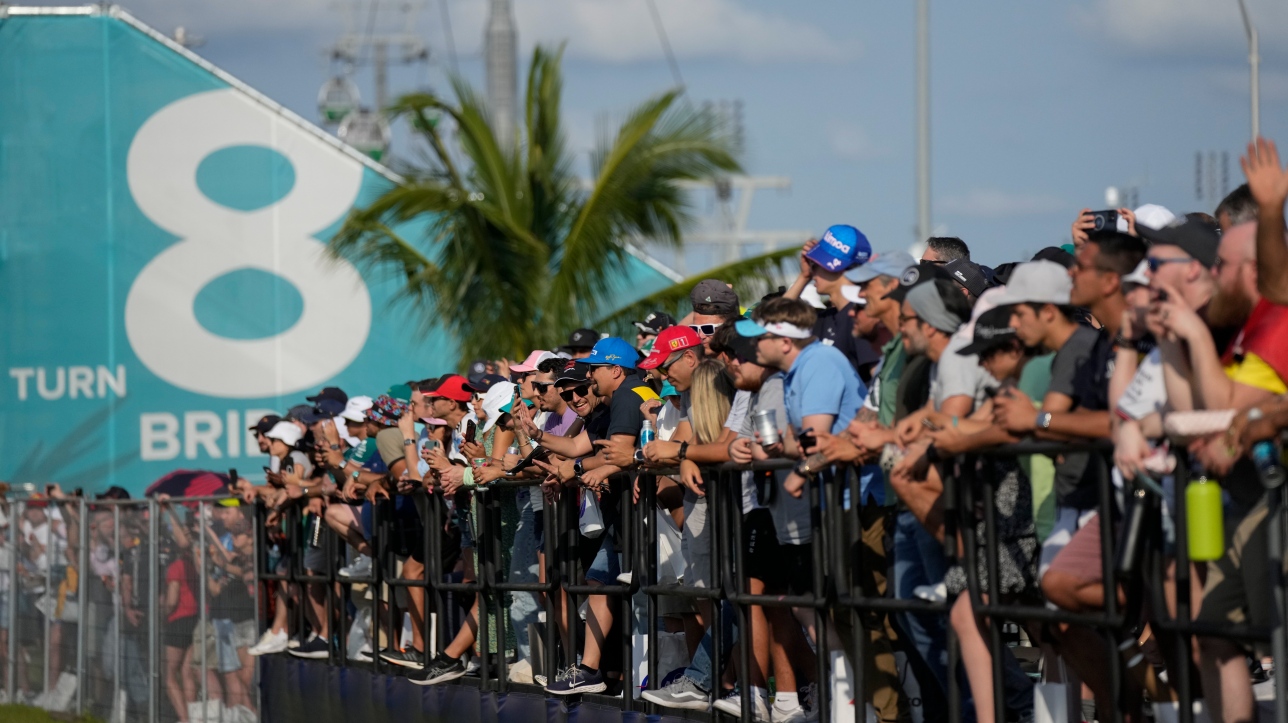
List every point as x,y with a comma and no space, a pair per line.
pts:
220,641
604,568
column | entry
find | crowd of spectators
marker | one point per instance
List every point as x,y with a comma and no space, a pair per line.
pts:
1157,330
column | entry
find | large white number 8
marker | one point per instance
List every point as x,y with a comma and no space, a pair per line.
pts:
215,240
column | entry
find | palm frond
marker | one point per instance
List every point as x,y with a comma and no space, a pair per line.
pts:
751,278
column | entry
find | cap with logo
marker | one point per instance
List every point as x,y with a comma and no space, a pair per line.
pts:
532,362
330,400
754,329
452,387
992,330
886,263
1191,233
1139,276
581,339
655,322
919,274
714,297
671,340
1038,282
613,351
265,423
485,382
478,368
841,247
356,408
967,275
573,371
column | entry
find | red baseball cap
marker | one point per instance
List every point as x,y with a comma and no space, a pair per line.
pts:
671,340
452,387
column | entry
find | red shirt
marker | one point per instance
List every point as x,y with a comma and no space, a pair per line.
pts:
1264,334
179,571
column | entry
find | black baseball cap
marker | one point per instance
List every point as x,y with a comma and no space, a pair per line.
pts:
478,369
1191,233
968,275
265,423
581,339
485,382
743,347
332,393
1058,255
919,274
992,329
572,372
712,296
655,322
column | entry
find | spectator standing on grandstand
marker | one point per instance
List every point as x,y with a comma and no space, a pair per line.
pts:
943,249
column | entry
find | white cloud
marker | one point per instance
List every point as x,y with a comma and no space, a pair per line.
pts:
849,141
994,203
616,31
1183,27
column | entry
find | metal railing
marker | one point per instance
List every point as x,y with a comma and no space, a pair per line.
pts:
837,595
84,606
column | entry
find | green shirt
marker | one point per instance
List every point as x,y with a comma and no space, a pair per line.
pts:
1034,381
885,391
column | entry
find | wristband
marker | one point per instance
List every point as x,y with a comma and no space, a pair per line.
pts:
684,451
335,448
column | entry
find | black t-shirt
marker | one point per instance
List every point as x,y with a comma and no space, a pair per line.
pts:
597,423
835,327
1081,369
914,386
624,415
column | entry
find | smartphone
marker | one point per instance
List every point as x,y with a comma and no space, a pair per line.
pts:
540,453
807,439
992,392
470,429
1158,295
1105,221
274,465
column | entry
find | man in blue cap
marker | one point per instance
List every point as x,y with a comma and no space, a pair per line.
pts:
612,378
824,262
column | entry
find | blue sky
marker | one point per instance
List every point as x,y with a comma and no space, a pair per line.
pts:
1036,106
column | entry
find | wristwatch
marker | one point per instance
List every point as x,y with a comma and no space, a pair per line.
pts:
408,442
1043,420
639,456
577,469
335,448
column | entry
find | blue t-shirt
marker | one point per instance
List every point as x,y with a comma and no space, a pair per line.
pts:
822,381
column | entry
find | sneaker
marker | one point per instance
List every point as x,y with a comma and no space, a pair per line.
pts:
269,643
681,693
361,568
731,703
798,715
409,658
294,643
315,649
440,670
363,655
932,593
578,680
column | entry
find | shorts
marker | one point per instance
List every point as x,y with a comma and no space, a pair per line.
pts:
315,559
245,633
220,646
761,553
602,566
798,565
695,542
1081,558
1067,521
539,529
178,633
1238,585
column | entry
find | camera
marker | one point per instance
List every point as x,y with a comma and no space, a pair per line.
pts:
1105,221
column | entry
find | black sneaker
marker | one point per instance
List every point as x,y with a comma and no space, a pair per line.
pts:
440,670
316,649
578,680
409,658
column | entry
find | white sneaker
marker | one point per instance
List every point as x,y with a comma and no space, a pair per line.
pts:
363,655
934,593
732,704
361,568
269,643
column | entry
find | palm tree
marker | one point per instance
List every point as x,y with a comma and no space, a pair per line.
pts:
506,248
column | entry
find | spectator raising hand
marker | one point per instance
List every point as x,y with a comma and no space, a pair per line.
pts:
1268,184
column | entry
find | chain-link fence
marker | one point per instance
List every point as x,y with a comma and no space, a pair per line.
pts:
129,610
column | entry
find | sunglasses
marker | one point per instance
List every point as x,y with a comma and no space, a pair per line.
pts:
581,391
704,329
1155,263
541,387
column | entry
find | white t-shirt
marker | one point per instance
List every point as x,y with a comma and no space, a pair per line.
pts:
1146,394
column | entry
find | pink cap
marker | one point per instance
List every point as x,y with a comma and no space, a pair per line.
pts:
434,421
530,364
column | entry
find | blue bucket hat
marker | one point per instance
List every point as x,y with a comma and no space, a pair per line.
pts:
840,248
613,351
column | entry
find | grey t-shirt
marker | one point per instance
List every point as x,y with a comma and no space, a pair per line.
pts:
1065,367
955,375
791,514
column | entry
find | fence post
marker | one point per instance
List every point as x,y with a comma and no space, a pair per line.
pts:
201,607
82,597
154,608
17,511
116,612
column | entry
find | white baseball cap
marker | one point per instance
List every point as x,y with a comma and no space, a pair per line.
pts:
1038,282
497,402
355,408
288,432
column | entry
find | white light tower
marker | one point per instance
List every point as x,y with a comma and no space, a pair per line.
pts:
499,44
1254,66
924,228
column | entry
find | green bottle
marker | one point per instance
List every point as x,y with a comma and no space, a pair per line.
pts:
1203,520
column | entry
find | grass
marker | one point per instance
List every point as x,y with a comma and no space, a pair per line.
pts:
28,714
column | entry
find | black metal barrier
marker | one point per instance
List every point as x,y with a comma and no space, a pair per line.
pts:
837,595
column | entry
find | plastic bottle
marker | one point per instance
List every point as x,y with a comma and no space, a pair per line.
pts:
1203,520
647,434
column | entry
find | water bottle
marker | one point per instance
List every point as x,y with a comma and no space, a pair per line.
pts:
1204,521
1265,455
647,433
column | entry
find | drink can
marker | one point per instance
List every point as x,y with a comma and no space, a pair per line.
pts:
765,422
